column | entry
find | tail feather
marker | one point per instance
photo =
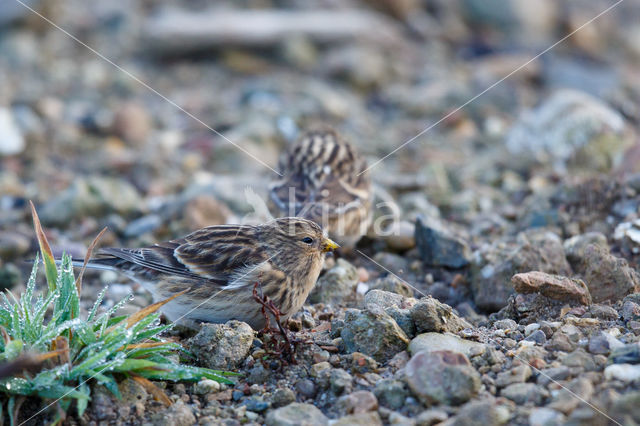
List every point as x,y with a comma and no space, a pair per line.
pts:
99,264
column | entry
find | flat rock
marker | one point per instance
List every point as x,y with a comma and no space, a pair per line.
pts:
443,377
178,31
552,286
444,341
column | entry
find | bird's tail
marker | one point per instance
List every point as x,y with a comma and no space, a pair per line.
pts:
107,264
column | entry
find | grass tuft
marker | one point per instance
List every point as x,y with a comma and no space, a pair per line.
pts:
49,350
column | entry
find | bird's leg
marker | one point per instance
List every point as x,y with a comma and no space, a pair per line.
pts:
261,299
268,305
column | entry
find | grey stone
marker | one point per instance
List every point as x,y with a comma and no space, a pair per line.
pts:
438,244
13,244
306,388
222,346
574,247
481,413
630,310
395,306
296,414
565,399
505,324
340,381
93,196
544,416
519,374
258,374
391,393
431,417
570,129
386,300
282,397
393,262
494,265
178,414
601,342
579,358
393,285
142,225
374,333
371,418
336,285
522,393
603,312
444,341
429,314
626,408
560,342
443,377
538,337
551,374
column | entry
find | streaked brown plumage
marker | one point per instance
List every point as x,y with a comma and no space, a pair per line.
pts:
322,181
221,264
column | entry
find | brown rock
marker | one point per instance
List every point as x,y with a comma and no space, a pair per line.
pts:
552,286
205,210
608,277
132,123
358,402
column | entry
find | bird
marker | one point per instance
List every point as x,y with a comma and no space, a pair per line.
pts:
221,266
324,179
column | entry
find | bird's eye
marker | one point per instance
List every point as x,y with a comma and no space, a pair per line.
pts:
307,240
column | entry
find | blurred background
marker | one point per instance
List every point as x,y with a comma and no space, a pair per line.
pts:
94,147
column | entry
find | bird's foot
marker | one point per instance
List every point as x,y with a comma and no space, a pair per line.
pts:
285,349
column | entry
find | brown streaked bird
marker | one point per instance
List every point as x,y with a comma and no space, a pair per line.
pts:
324,180
222,264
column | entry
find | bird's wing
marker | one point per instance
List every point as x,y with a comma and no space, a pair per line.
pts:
220,251
213,253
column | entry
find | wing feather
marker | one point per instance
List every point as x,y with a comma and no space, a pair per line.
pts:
212,253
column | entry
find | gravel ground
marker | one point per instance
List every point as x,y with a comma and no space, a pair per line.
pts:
509,292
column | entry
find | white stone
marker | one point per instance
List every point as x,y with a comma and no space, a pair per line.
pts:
623,372
11,139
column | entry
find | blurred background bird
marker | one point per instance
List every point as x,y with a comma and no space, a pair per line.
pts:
324,180
222,264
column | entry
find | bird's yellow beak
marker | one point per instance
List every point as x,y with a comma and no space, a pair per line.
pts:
329,245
